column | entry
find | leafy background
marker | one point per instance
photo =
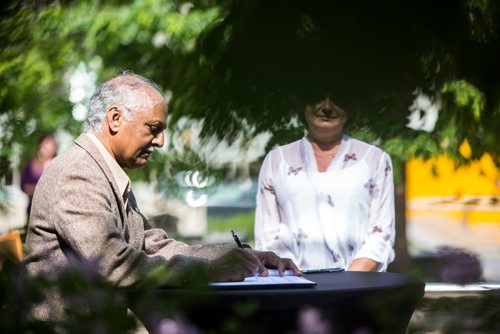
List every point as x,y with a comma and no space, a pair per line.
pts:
244,67
238,68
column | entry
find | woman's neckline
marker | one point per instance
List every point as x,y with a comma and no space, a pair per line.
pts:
325,148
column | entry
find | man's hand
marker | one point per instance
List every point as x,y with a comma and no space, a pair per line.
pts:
271,260
234,266
239,263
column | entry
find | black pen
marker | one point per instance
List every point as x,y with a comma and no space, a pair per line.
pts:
236,239
322,270
240,245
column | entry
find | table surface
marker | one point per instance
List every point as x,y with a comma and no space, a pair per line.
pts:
331,287
345,281
356,298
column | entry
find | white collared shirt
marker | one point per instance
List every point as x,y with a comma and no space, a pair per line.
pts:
119,174
327,219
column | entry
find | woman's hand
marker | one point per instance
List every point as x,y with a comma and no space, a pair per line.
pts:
363,264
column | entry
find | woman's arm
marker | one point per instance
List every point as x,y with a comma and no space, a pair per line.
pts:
363,264
378,244
270,232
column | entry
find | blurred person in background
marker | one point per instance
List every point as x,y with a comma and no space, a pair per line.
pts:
46,152
327,200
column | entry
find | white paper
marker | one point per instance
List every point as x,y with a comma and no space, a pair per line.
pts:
272,279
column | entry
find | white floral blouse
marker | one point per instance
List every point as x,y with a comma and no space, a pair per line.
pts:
328,219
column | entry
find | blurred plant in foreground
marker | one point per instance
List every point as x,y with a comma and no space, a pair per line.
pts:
460,266
94,305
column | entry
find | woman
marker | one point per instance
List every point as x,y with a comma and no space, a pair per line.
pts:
327,200
46,152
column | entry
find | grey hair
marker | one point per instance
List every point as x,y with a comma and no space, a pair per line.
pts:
123,91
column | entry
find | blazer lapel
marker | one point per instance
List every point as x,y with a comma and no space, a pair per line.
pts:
88,145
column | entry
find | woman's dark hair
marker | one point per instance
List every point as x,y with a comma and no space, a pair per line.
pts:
44,136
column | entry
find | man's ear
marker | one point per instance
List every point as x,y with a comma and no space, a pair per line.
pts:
114,119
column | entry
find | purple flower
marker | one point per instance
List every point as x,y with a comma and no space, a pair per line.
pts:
459,266
348,157
268,188
330,201
294,171
176,326
312,320
300,235
387,168
372,188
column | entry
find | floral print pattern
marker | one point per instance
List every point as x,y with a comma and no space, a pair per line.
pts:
299,236
372,188
351,156
387,168
330,201
326,219
268,188
294,171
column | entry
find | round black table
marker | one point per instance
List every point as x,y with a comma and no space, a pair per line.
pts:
342,302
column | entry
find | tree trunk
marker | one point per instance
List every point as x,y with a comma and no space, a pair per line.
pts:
402,260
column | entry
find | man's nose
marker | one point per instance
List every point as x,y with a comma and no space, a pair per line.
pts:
159,139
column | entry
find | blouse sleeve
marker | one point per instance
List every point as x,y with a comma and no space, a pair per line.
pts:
379,243
270,233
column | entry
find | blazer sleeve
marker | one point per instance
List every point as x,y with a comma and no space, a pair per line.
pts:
157,242
88,222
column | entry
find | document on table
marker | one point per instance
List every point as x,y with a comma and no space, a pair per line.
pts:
273,280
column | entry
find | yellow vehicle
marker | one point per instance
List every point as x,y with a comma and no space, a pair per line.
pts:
458,207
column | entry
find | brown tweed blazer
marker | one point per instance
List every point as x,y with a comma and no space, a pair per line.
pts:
77,212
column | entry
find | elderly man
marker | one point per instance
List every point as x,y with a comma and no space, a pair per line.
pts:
84,208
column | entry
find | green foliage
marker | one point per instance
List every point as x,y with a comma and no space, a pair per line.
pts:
466,96
265,72
94,305
242,223
256,62
469,118
461,314
31,69
41,45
